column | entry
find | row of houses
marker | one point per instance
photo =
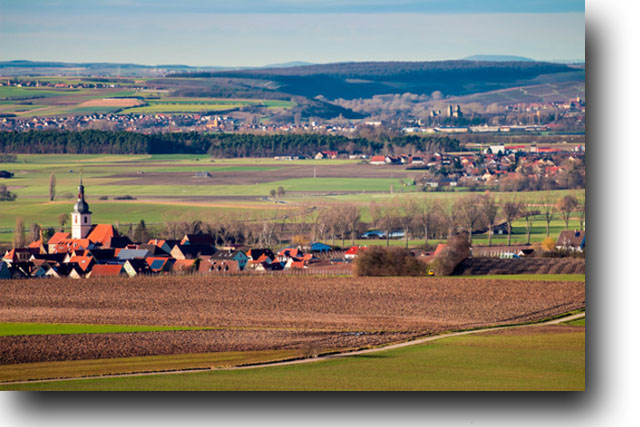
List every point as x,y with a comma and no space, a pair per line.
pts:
194,253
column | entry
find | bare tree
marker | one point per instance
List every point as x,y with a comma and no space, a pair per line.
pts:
52,187
426,212
566,206
63,219
384,216
529,216
581,209
406,210
18,234
450,217
470,212
490,211
36,232
511,209
352,216
342,224
548,210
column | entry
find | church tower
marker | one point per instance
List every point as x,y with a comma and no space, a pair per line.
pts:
81,216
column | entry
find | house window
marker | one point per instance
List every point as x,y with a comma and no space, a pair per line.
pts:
75,219
85,219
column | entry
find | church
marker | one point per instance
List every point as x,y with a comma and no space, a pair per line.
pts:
85,234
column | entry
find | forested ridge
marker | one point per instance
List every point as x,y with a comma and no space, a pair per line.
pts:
219,145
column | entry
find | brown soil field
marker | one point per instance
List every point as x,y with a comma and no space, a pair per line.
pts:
47,348
483,266
302,303
240,177
264,312
112,102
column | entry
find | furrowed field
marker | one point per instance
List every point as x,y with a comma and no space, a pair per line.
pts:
162,320
541,358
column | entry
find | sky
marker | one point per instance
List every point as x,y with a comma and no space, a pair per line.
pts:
261,32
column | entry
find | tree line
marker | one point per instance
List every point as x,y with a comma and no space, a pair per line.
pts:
219,145
339,223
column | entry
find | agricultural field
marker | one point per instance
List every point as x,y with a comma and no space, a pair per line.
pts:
24,102
170,187
541,358
50,326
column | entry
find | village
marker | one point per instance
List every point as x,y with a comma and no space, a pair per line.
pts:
98,250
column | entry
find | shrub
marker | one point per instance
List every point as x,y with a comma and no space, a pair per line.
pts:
549,244
379,261
457,250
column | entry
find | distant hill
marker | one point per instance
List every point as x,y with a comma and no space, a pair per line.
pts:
287,64
350,80
498,58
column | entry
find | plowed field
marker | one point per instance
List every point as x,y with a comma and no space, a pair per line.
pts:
256,313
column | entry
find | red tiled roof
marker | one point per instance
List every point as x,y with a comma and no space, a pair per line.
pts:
83,261
35,244
58,237
103,270
102,233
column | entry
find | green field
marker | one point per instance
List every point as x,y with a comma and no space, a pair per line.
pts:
13,92
531,360
50,101
120,175
179,108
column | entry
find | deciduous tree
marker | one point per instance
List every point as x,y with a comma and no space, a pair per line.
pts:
52,187
566,206
511,209
490,211
18,234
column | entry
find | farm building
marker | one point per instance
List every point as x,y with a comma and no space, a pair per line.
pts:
571,240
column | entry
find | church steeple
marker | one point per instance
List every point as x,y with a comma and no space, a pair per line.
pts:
81,215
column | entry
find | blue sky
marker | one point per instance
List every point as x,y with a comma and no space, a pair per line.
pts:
253,33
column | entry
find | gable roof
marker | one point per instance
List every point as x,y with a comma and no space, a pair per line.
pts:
192,251
102,233
228,255
198,239
58,237
160,263
153,249
126,254
105,270
84,262
571,239
256,253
